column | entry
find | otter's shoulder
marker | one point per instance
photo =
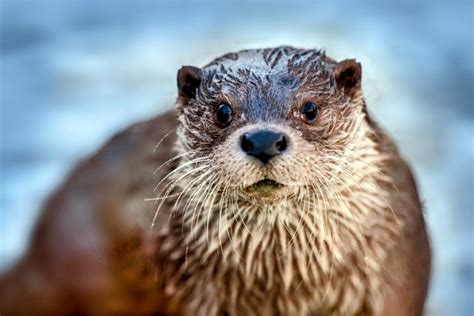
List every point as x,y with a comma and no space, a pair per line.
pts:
120,171
77,245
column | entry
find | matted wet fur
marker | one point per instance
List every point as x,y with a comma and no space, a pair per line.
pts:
173,217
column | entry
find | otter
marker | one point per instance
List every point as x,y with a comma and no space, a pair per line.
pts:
269,191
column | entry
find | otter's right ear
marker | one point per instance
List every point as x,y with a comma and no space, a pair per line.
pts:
189,79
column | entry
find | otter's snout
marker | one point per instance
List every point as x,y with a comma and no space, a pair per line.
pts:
263,144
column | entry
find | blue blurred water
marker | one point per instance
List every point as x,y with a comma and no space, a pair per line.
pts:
73,73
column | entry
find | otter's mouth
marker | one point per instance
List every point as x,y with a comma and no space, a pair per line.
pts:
264,187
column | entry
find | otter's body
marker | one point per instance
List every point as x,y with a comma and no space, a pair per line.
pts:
273,193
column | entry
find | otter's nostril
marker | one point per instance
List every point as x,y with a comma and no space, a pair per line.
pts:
246,144
280,145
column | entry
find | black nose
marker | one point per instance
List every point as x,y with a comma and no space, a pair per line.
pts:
263,144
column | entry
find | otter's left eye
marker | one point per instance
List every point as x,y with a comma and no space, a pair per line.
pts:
223,115
309,112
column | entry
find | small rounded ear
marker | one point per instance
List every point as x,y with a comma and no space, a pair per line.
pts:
189,79
348,74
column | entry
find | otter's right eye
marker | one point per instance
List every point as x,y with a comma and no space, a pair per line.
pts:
223,115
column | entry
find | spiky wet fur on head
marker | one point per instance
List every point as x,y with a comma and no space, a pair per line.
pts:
316,246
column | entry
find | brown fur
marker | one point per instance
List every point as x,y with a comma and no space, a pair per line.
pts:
345,236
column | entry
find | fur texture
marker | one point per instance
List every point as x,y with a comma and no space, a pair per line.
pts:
341,234
318,246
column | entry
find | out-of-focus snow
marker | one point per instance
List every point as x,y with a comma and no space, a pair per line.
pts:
73,73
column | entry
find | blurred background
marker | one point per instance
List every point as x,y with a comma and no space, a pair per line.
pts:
73,73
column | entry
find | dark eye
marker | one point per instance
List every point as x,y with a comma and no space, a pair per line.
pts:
309,112
223,115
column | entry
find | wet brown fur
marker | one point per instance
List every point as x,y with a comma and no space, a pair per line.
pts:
93,251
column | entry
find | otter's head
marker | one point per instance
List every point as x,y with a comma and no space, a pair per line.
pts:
266,126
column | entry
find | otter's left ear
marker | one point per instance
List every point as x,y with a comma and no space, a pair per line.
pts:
189,80
348,74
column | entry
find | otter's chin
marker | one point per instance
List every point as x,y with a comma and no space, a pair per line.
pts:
266,189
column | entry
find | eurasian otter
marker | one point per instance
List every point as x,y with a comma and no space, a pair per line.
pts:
273,193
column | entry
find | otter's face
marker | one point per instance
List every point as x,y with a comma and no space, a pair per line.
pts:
269,124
